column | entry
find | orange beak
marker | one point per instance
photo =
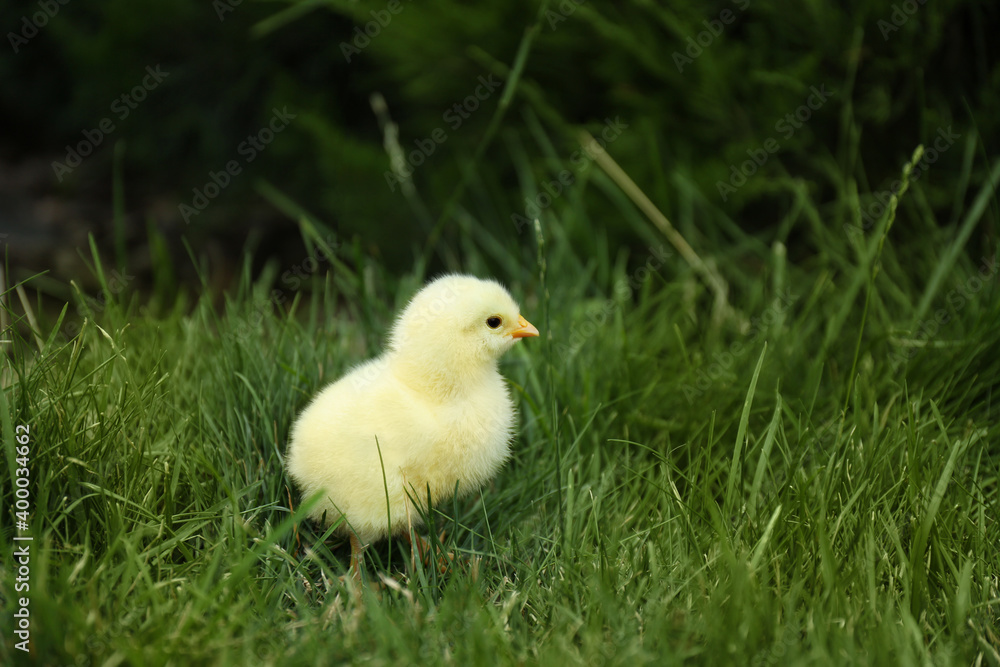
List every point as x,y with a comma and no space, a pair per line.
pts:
527,329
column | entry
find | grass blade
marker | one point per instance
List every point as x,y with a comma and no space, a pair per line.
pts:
734,469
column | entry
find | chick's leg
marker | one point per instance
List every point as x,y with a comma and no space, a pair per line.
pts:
424,550
356,551
419,548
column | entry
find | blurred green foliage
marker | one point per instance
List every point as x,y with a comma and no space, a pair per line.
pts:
699,84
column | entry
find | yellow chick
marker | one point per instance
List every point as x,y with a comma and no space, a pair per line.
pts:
431,413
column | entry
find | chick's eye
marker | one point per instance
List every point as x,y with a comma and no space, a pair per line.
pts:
493,322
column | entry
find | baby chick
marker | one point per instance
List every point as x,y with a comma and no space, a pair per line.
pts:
432,414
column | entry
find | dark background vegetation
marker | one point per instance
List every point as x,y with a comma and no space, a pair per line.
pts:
229,66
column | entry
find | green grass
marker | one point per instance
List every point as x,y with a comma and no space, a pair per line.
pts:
803,477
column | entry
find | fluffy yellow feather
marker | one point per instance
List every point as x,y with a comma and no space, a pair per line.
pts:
433,405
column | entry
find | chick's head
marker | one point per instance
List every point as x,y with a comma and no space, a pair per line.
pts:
457,326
